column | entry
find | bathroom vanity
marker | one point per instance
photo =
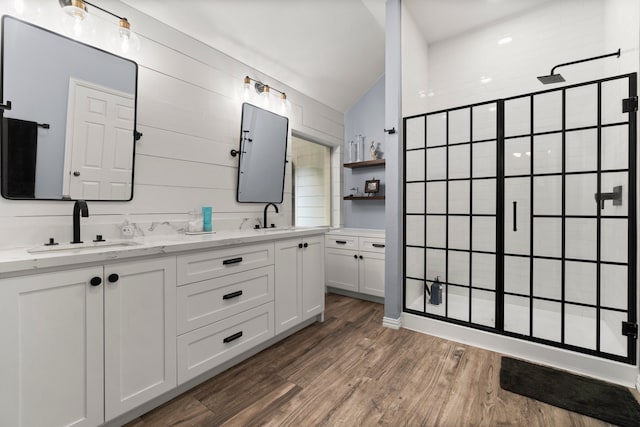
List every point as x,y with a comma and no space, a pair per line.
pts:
355,262
90,334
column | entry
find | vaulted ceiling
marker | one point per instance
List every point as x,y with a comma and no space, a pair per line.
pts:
330,50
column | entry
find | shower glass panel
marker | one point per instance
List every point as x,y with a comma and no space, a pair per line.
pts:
450,229
523,209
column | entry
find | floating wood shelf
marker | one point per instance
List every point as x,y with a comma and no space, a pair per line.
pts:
363,197
366,164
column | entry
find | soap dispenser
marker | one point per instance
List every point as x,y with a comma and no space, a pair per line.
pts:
436,292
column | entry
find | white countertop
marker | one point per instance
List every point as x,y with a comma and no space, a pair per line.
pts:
19,260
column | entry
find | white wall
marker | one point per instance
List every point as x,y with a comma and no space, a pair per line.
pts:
189,100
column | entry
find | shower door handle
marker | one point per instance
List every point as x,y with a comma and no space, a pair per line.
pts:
515,216
615,196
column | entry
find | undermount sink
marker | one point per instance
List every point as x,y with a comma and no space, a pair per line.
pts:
82,247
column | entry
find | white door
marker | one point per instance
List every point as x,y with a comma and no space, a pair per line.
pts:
312,276
342,269
99,146
288,288
140,333
51,357
371,273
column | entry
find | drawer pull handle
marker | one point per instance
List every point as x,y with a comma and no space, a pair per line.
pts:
377,245
341,242
232,337
232,261
232,295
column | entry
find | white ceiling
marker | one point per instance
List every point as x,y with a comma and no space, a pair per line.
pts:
330,50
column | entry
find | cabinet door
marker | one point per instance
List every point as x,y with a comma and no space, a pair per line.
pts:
313,276
51,356
342,269
288,295
140,333
371,269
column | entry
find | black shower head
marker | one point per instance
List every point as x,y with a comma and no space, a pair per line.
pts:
551,78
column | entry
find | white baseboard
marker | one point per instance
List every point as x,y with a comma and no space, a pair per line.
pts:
388,322
638,382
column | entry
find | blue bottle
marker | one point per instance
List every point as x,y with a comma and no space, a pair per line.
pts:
206,218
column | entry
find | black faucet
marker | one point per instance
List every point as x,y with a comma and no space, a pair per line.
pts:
264,218
80,207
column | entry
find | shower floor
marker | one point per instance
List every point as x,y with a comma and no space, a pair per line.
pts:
580,322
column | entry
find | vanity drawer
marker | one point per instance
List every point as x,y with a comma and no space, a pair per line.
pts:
208,347
372,244
222,262
206,302
340,242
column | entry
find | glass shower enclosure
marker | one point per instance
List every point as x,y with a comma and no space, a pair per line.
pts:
524,210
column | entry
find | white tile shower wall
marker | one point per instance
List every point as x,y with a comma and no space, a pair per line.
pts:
415,69
556,32
189,100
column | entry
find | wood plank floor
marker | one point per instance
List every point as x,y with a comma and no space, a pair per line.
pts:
351,371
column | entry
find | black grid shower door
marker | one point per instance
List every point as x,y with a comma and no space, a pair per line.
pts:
524,208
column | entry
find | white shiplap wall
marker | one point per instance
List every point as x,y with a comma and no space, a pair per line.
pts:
189,108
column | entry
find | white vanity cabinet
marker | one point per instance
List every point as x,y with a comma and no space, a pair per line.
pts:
225,305
355,262
91,337
83,345
299,268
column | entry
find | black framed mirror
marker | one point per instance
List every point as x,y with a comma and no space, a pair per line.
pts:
69,120
263,153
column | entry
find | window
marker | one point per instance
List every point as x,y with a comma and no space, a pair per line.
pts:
311,171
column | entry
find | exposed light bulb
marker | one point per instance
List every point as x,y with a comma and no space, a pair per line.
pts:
284,104
266,94
246,92
125,29
75,8
127,40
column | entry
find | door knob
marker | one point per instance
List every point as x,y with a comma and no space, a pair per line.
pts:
76,173
113,278
95,281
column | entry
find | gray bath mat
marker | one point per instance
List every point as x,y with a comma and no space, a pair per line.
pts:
598,399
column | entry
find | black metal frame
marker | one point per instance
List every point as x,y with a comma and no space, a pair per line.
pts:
135,136
500,220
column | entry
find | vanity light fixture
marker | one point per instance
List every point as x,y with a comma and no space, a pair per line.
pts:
77,9
262,89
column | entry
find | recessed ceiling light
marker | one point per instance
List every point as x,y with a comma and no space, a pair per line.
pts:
422,94
485,79
505,40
